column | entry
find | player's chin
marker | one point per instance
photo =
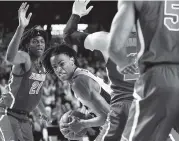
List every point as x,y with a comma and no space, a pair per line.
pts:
39,53
63,77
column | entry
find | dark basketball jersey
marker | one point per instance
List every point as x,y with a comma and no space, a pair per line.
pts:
105,89
24,91
122,89
123,85
158,27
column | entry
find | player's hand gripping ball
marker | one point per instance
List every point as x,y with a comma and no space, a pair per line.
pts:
70,125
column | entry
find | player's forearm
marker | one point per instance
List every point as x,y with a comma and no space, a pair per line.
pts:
70,33
94,122
71,25
119,57
14,44
116,51
120,32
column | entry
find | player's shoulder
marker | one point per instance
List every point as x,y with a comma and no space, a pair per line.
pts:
24,54
147,5
138,5
84,87
26,57
81,80
81,86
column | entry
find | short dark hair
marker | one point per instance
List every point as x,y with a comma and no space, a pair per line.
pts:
56,50
29,34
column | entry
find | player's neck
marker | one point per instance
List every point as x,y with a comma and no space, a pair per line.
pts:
36,61
34,58
74,69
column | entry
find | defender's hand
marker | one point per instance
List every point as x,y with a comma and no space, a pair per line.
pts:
132,69
129,65
79,7
23,21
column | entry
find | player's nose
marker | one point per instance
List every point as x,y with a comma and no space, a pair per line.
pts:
58,69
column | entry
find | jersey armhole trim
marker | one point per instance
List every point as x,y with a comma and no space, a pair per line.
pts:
21,75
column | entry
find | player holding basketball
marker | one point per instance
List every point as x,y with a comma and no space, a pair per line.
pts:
155,109
121,97
25,83
89,89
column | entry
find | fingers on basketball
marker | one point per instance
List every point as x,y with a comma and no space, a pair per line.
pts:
65,120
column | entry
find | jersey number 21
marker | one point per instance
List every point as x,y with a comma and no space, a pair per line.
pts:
36,85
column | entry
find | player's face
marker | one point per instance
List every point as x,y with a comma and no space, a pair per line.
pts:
37,46
63,66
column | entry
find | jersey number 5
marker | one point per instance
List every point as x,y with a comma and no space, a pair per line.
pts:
36,85
171,13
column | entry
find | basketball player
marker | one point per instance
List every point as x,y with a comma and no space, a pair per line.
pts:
121,97
25,83
89,89
155,109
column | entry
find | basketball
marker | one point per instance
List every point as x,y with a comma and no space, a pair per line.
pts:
66,118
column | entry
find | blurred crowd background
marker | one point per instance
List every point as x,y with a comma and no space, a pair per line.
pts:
57,95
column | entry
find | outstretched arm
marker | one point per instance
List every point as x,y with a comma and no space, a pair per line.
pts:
121,28
12,55
71,35
94,41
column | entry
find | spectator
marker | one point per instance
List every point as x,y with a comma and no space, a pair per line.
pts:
2,86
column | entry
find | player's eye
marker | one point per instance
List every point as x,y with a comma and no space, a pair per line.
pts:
62,64
34,41
42,41
54,67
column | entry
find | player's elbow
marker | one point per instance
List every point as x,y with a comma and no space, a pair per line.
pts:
102,118
66,34
66,37
113,50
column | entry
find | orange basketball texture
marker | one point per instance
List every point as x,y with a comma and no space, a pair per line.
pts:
66,118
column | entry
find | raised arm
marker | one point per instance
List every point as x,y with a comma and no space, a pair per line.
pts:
88,92
121,28
94,41
13,55
70,33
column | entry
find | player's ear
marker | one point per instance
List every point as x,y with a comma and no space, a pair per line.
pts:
72,60
27,48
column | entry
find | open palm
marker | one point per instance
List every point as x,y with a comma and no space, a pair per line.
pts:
79,7
23,21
